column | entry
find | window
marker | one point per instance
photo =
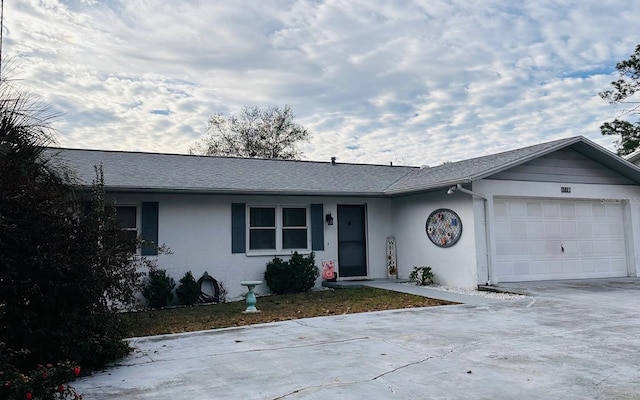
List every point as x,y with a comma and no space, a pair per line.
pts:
294,228
278,228
262,228
128,221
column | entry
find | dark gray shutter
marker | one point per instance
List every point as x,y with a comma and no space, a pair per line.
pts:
317,227
238,228
149,229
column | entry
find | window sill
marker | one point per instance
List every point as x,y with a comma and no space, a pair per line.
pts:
277,253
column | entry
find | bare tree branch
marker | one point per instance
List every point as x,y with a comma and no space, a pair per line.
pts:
254,133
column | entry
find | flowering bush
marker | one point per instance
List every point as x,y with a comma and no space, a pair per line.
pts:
45,381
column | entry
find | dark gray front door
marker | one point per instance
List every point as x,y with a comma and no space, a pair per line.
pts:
352,246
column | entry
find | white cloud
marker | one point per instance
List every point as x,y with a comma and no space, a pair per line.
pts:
418,82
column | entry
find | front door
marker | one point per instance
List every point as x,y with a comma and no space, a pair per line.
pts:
352,245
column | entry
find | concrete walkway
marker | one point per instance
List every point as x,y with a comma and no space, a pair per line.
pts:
569,341
431,293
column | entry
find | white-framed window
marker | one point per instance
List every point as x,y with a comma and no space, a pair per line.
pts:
128,222
278,228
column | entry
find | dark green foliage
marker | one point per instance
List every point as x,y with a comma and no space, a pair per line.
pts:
627,85
297,275
64,274
158,288
421,276
188,291
628,132
45,381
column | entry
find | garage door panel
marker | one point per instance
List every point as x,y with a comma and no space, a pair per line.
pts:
616,246
558,239
613,210
552,229
551,210
518,229
553,248
570,248
567,210
619,266
502,230
537,248
535,229
616,230
598,210
585,230
534,209
516,209
568,229
572,266
600,248
589,266
555,267
539,267
586,247
502,248
521,268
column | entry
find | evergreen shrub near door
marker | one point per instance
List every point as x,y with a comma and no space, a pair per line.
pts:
297,275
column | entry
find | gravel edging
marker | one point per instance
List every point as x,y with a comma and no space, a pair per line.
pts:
474,292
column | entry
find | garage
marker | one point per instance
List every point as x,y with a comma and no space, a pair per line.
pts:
542,239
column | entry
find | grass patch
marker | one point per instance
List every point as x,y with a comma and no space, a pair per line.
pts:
273,308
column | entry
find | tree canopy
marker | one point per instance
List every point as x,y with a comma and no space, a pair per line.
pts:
254,133
623,92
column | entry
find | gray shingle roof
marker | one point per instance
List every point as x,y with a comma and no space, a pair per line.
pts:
128,171
134,171
482,167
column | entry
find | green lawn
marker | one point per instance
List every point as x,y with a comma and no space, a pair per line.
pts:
273,308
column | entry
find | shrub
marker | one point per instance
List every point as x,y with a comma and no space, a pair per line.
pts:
297,275
158,288
64,273
46,381
188,291
421,276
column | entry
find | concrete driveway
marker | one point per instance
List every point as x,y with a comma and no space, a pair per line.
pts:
569,340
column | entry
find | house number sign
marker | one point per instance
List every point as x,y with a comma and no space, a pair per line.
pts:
444,227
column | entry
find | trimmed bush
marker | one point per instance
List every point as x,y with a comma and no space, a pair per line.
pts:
421,276
297,275
158,289
188,291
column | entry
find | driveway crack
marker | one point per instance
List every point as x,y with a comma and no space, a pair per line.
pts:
345,383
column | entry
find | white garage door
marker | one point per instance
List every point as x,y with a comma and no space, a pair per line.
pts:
558,239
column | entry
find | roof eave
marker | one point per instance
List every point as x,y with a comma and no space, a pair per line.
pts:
234,192
426,188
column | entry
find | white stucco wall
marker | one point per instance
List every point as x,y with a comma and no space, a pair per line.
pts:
453,266
197,229
629,195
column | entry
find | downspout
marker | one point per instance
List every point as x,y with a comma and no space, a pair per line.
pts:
487,230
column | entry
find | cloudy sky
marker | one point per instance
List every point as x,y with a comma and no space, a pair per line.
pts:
376,81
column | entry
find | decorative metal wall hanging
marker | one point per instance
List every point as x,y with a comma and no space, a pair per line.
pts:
444,227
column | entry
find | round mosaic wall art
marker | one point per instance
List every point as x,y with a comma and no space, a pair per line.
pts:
444,227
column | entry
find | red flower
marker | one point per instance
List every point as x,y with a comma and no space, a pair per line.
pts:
61,388
29,396
76,371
